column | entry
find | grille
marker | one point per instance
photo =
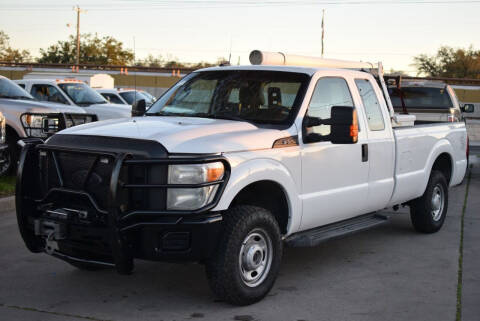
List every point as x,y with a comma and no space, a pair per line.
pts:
74,170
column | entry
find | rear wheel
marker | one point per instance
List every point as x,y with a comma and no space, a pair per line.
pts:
428,212
246,263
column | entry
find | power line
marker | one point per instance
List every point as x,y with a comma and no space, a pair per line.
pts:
211,4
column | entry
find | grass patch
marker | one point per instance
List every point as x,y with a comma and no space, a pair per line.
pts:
7,186
460,256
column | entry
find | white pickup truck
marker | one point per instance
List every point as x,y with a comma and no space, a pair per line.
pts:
232,164
72,92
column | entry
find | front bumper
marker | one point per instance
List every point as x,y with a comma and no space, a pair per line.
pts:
74,225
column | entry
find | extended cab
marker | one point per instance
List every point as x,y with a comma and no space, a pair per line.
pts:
27,118
230,165
71,92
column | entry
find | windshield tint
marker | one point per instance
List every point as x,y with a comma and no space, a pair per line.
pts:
81,94
9,89
270,97
421,97
130,97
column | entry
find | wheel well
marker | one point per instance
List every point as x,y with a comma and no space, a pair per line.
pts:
268,195
443,163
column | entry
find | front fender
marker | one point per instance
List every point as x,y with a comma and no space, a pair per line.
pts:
256,170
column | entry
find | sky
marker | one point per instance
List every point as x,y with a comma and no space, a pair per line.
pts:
204,30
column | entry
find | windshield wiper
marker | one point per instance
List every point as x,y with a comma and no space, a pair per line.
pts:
88,103
202,115
16,97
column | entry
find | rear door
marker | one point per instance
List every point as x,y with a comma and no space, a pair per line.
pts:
334,176
380,148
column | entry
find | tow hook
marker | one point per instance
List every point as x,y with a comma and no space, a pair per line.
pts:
52,232
50,244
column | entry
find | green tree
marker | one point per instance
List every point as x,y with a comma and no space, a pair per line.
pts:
450,62
152,61
9,54
93,50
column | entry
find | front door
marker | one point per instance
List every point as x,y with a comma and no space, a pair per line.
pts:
334,177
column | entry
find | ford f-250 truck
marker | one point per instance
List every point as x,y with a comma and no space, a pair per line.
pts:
232,164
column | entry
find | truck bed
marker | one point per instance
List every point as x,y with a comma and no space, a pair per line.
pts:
417,148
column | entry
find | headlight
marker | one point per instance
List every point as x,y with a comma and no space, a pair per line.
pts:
193,198
36,125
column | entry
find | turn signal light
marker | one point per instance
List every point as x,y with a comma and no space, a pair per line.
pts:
354,127
215,173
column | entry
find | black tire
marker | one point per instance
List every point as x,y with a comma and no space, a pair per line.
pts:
426,214
224,270
11,157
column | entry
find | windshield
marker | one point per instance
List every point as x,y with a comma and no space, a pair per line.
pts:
421,97
81,94
270,97
130,97
9,89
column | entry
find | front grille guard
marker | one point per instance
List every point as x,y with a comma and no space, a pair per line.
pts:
60,121
29,200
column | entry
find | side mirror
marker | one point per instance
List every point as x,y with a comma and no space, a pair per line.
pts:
343,126
468,108
139,107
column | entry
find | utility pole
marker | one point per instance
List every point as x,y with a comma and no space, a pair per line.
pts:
323,28
78,10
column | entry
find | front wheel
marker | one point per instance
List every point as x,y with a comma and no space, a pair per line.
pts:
246,263
428,212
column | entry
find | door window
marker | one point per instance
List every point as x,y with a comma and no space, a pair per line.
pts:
48,93
329,92
114,99
371,104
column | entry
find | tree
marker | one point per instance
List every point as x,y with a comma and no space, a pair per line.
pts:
9,54
151,61
93,50
450,62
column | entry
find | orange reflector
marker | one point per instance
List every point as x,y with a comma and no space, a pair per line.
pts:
354,127
215,173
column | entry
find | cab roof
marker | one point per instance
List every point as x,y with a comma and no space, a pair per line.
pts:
297,69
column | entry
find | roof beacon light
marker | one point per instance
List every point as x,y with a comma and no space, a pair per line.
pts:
258,57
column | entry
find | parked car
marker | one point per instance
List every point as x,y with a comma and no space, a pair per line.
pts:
429,101
230,165
126,96
28,118
72,92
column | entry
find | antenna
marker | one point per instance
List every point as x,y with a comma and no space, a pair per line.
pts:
230,54
323,28
135,75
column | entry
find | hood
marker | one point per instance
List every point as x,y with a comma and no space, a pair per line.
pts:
187,134
107,111
33,106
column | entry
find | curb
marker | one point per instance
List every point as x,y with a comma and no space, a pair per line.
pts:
7,204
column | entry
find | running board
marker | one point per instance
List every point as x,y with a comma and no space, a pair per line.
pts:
321,234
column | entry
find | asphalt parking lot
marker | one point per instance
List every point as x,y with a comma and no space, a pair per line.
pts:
388,273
